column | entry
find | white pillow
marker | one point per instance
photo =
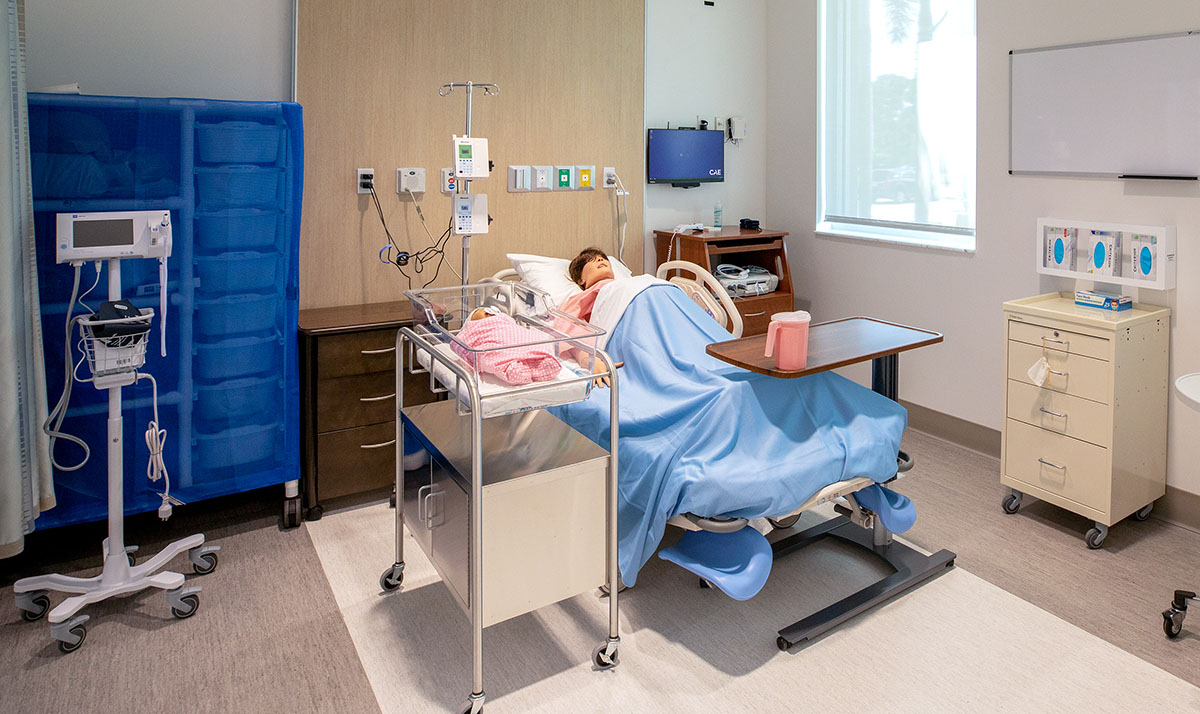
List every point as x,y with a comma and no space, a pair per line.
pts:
551,277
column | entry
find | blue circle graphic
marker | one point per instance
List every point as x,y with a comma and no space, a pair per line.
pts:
1098,255
1146,261
1059,250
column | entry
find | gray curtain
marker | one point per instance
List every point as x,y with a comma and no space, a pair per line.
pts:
26,486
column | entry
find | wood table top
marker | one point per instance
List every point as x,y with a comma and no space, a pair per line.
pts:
351,318
831,345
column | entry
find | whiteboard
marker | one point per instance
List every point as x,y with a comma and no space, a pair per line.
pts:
1109,108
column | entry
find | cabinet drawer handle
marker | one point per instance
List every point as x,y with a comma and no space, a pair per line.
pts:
378,399
383,351
1053,414
755,314
421,505
1056,372
377,446
1053,466
1065,343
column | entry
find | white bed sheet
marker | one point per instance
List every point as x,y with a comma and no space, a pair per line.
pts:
499,399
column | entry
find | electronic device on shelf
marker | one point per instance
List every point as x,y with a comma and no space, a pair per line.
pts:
746,281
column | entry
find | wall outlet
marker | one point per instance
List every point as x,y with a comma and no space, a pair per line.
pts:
610,177
518,179
364,179
718,124
736,128
410,180
542,177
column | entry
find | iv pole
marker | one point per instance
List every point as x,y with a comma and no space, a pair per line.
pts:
465,184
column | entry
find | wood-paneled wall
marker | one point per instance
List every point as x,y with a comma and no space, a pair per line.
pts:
571,81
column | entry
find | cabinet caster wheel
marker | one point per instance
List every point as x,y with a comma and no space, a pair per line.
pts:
605,661
291,512
315,513
39,605
390,580
79,633
1095,537
1144,513
1011,503
782,644
190,603
1172,623
784,523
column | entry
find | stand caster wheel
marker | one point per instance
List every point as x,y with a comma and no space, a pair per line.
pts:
191,603
1095,537
34,605
1011,503
391,579
210,564
1144,513
315,513
782,644
291,512
1172,623
785,522
79,633
605,661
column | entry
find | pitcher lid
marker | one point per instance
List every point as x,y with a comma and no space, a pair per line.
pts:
794,316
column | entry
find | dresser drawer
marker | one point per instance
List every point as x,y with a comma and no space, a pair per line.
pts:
1055,339
359,400
1061,413
356,460
356,353
756,312
1068,467
1076,375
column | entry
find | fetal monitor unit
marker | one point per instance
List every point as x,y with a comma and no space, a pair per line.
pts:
471,157
470,214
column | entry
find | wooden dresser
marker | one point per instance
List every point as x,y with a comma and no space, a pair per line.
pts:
1092,438
731,244
348,401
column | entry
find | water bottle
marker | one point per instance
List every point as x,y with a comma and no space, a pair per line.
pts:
717,215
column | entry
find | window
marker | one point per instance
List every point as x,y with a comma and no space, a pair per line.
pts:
898,121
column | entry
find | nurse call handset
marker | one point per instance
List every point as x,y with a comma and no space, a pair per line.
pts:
117,235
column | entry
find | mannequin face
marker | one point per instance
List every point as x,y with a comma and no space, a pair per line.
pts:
594,271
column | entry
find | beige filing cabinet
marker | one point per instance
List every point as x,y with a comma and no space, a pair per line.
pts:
544,496
1093,438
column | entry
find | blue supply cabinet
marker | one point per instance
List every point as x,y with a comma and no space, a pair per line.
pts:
231,173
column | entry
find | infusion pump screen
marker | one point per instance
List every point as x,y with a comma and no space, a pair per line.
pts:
99,234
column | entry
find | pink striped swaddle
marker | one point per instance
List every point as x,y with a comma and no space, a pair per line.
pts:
520,365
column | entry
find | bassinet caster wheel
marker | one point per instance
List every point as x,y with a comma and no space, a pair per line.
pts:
474,704
33,605
606,657
70,634
1012,502
392,577
1095,537
1144,513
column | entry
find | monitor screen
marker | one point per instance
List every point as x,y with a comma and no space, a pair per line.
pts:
685,156
103,233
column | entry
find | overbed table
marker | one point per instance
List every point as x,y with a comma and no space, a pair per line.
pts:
831,345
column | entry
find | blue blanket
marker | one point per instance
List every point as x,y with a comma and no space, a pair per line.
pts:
702,436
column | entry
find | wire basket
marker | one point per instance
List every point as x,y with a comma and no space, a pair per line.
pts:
115,346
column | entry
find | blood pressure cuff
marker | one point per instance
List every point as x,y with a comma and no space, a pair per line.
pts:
117,310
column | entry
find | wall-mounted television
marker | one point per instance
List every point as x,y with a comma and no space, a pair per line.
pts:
685,158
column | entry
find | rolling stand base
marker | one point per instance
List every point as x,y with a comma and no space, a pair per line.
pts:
911,568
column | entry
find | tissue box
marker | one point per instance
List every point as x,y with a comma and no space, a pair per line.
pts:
1104,301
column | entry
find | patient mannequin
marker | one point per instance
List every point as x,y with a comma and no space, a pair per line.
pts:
591,271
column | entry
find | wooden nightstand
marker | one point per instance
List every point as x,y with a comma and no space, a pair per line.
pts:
709,249
348,401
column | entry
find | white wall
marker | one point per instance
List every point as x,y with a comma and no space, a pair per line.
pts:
214,49
960,294
707,61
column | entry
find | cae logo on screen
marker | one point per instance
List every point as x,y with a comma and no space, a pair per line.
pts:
714,172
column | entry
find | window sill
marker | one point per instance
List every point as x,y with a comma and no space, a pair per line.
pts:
895,236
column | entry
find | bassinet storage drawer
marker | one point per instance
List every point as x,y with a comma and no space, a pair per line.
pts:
1092,439
543,507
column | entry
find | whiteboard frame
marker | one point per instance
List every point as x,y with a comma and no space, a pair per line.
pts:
1087,174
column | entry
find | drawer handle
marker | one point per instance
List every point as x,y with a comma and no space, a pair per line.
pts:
1065,343
1056,372
1053,414
755,314
1053,466
383,351
377,446
377,399
421,505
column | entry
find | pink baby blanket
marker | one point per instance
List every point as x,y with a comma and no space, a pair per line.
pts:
519,365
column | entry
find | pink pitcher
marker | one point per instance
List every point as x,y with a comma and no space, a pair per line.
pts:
791,331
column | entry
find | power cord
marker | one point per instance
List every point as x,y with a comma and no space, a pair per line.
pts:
156,468
621,194
401,259
53,424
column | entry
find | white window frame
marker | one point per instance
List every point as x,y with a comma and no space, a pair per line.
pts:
922,235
